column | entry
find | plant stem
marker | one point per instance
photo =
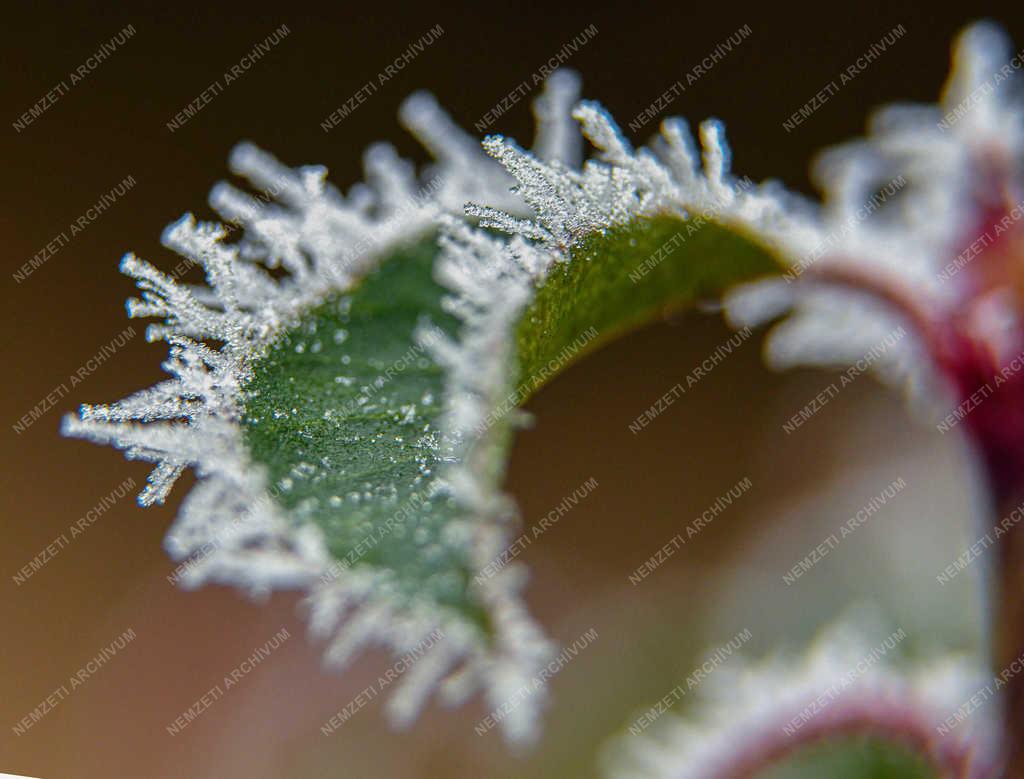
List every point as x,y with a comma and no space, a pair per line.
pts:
1008,646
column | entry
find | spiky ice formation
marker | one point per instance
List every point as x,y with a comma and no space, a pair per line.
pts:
917,218
900,209
746,717
230,528
230,524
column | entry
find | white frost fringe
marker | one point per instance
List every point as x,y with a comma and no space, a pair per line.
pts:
229,528
908,242
923,158
896,206
742,711
326,241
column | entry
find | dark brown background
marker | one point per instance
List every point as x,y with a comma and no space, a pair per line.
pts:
113,124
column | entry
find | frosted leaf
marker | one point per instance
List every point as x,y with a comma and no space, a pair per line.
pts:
898,208
326,241
230,528
748,716
570,205
901,210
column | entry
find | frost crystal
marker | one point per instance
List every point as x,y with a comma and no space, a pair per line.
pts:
750,715
895,207
910,214
230,528
901,211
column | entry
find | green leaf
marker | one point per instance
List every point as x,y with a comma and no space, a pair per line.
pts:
344,410
852,757
628,277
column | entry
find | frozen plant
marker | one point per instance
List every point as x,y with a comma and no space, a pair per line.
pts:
918,228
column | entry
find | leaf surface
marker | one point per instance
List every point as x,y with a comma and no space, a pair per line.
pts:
345,409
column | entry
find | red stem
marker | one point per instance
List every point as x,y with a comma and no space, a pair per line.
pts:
862,714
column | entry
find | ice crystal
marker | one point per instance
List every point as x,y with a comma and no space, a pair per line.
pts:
901,209
896,237
749,715
620,185
230,528
322,242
